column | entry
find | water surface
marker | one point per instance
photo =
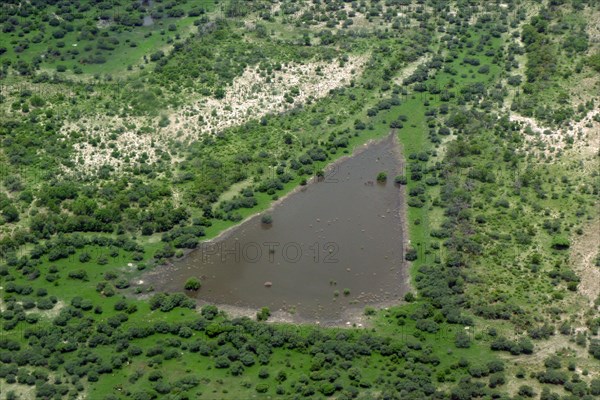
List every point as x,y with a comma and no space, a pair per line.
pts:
342,232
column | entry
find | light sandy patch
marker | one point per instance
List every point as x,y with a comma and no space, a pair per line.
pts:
48,314
557,344
234,190
253,96
359,19
539,137
103,24
127,144
250,97
593,27
21,390
351,318
583,254
585,133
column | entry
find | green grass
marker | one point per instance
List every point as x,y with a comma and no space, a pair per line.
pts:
502,274
147,39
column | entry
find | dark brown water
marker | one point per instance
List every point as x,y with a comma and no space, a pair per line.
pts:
343,232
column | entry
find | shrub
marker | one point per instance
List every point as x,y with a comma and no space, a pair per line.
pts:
594,62
222,362
192,284
327,388
262,387
209,312
560,243
263,373
400,180
78,274
427,325
497,379
411,254
594,348
462,340
526,391
553,362
553,376
155,376
496,366
595,383
237,368
263,314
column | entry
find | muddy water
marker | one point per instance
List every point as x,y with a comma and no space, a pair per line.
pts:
342,232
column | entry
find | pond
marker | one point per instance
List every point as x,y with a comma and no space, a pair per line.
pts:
333,246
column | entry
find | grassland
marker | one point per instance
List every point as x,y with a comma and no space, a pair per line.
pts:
500,217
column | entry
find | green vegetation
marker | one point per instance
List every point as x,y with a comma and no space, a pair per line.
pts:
497,213
192,284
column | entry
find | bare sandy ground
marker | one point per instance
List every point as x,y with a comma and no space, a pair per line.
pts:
250,97
586,133
583,254
253,95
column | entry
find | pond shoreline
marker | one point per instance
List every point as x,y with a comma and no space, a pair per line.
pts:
351,314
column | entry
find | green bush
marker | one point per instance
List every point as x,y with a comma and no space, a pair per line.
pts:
263,314
192,284
78,274
594,61
262,387
560,243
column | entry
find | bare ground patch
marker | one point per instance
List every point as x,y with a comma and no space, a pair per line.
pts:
583,253
251,96
544,140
